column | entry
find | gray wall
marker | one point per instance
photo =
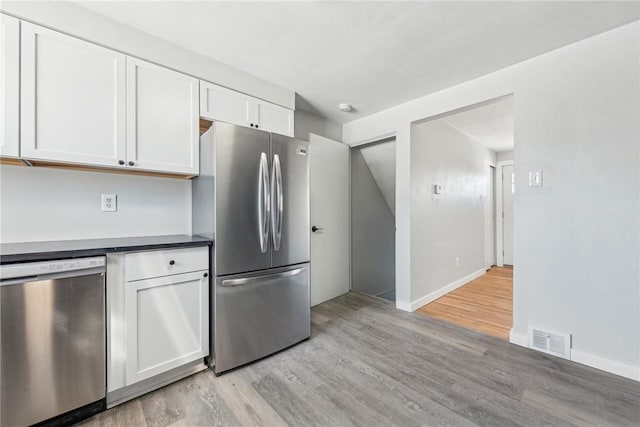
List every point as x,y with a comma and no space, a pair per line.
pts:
451,224
39,204
306,123
372,232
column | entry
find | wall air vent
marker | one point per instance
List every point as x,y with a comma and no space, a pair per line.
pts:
551,342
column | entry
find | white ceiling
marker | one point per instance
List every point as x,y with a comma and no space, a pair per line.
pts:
373,55
490,124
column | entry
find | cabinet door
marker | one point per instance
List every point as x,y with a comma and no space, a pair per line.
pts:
218,103
9,84
72,99
167,323
273,118
162,119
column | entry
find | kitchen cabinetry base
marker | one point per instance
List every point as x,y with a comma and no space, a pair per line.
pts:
124,394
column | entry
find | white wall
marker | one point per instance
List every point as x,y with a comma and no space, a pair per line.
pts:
504,155
41,204
577,251
306,123
449,225
80,22
372,232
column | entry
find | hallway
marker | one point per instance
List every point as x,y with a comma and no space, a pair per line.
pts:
484,305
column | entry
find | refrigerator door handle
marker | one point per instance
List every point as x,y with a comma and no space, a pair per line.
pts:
249,280
264,202
277,198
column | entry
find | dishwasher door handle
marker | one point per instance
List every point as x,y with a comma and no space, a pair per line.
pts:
52,276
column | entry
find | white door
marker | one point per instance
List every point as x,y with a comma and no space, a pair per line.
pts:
272,118
9,86
218,103
162,119
167,323
329,194
508,188
72,99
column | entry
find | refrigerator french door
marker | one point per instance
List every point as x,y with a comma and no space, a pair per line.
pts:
259,184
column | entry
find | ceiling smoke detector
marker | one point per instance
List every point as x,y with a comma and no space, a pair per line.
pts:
347,108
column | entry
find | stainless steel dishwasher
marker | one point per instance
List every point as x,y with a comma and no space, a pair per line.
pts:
52,340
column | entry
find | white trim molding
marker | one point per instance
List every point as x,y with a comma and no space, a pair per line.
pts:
518,338
403,305
588,359
499,229
440,292
607,365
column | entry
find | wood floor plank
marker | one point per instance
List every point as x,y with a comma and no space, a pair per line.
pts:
485,304
368,364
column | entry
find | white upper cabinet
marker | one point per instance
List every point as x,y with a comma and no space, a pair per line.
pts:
225,105
9,86
273,118
72,99
219,103
162,119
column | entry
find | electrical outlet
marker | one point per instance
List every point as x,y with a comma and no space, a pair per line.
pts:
109,202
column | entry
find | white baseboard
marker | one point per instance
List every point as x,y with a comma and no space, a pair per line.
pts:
598,362
444,290
518,338
608,365
403,305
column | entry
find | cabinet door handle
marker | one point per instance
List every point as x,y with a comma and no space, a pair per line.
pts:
131,163
121,162
172,262
205,275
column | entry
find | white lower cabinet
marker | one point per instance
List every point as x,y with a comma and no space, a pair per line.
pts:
167,323
158,319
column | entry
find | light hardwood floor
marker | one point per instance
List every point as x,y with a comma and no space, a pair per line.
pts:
485,304
368,364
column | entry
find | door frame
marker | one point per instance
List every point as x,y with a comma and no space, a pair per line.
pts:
494,215
499,212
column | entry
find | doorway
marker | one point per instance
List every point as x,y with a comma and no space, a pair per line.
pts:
373,183
505,190
457,162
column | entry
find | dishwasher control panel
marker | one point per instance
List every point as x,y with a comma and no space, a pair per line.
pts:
13,271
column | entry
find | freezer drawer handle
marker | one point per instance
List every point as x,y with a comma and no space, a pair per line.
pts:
249,280
264,202
277,199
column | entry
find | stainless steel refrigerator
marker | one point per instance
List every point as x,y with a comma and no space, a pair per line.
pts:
252,197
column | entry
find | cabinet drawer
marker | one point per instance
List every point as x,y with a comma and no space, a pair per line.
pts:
145,265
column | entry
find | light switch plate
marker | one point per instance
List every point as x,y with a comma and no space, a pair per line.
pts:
535,178
109,203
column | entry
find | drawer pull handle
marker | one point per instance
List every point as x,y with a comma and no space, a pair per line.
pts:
172,262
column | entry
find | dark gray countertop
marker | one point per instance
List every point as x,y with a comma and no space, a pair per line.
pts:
64,249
